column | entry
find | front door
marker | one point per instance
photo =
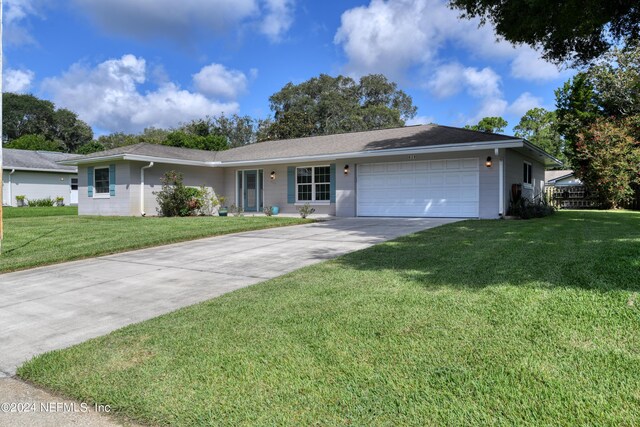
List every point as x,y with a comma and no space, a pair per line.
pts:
250,190
73,194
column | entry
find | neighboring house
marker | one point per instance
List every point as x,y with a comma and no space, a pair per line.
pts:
415,171
37,175
561,178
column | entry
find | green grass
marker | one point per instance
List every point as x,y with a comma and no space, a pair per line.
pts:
479,322
26,212
36,241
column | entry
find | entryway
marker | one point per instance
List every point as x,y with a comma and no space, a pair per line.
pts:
250,190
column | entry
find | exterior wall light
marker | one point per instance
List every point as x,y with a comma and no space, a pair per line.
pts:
346,169
488,163
273,175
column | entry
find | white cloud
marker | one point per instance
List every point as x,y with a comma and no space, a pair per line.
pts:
218,81
17,81
185,20
524,103
16,16
107,96
278,18
529,65
451,79
391,36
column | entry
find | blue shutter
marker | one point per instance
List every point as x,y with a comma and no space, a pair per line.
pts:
112,180
332,185
90,181
291,184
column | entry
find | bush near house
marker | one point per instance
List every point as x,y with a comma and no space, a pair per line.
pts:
41,203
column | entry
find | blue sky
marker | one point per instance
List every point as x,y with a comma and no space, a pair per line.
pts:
124,65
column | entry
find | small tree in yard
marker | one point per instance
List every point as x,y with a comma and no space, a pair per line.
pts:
174,199
607,159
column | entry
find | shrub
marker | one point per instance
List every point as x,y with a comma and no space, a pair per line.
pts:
39,203
236,210
208,201
526,209
305,210
268,210
174,199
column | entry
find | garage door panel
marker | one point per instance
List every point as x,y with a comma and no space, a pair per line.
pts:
438,188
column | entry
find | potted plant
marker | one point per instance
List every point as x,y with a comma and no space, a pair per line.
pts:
20,201
222,210
275,210
59,201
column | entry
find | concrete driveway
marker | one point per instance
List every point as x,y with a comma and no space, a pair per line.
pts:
54,307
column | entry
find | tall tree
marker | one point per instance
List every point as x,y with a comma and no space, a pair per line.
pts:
490,125
539,127
607,158
325,105
34,142
27,115
566,30
239,130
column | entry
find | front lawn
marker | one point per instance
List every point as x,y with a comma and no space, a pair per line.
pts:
478,322
25,212
32,241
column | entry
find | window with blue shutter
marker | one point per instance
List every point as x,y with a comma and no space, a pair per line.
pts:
90,181
291,184
112,180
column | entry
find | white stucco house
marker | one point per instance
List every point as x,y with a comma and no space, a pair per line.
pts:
38,175
413,171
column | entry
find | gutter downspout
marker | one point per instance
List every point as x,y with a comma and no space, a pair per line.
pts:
150,165
10,192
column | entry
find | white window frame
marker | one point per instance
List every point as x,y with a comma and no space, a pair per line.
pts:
530,169
97,195
313,186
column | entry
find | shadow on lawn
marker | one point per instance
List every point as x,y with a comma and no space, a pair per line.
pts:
35,239
589,250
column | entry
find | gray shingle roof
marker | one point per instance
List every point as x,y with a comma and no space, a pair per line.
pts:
155,150
404,137
375,140
27,159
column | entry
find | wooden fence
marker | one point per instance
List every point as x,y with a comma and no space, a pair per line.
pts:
578,197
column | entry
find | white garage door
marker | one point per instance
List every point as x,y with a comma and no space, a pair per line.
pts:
429,188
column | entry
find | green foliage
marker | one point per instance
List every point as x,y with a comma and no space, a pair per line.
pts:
34,142
10,213
566,31
268,210
92,147
41,203
607,159
236,210
180,138
326,105
524,208
28,115
539,127
489,125
175,199
305,210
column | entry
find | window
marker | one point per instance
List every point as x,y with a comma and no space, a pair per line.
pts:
313,184
526,178
101,181
74,183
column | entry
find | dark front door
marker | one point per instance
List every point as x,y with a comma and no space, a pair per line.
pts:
250,197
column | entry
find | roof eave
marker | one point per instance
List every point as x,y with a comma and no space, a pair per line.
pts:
138,158
549,160
26,169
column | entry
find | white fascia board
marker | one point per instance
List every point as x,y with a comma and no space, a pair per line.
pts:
513,143
39,170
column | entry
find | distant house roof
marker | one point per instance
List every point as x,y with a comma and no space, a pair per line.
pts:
554,175
41,161
354,144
